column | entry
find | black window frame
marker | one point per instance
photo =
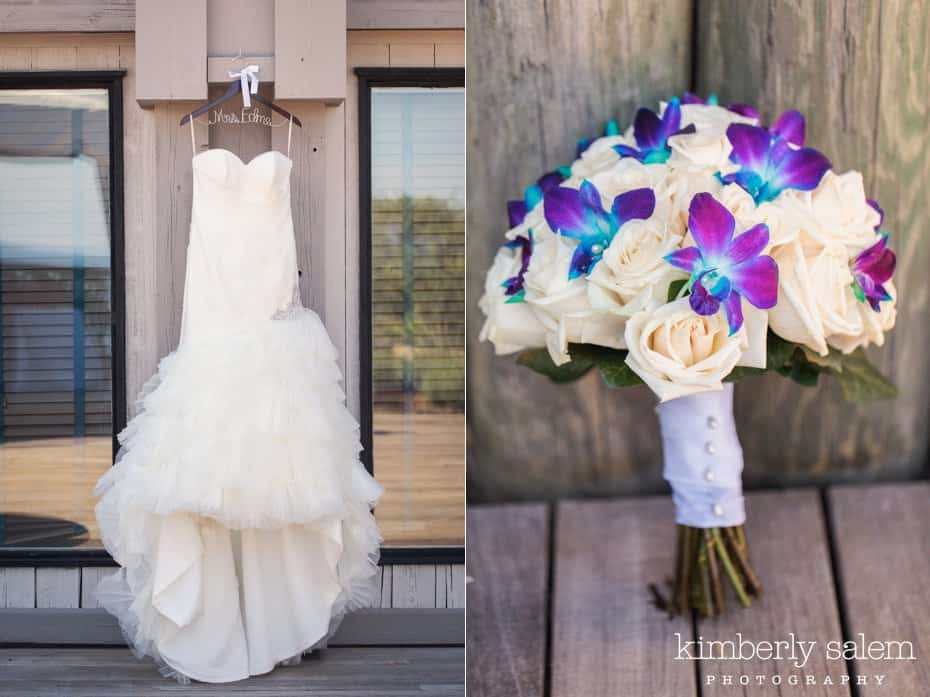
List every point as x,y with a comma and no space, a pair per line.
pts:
112,81
369,78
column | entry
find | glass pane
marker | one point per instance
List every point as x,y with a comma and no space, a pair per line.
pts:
55,342
418,312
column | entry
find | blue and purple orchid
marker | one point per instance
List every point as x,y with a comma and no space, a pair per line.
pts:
517,210
724,269
580,215
768,162
652,133
871,270
514,286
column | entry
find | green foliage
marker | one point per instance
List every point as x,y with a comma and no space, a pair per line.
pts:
859,380
611,363
674,288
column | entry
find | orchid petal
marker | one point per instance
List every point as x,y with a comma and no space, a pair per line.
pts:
626,151
565,212
799,169
590,196
516,212
582,260
790,126
881,211
647,129
637,204
871,254
750,145
671,118
744,110
685,259
532,196
749,244
733,307
549,181
612,128
882,268
711,224
689,98
757,281
703,302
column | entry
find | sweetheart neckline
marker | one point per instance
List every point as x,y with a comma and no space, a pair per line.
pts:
239,159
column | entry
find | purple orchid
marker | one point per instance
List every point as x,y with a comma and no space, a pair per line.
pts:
724,268
881,212
652,133
517,210
712,100
769,164
790,126
612,129
581,216
871,269
514,285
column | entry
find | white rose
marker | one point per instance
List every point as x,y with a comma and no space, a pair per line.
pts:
678,352
708,147
633,268
839,208
813,293
562,305
599,156
510,327
870,326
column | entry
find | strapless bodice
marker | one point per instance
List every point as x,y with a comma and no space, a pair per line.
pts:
263,179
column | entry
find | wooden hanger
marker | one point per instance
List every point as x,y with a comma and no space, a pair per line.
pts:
231,91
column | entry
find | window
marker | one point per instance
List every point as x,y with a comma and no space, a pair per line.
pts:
61,339
413,301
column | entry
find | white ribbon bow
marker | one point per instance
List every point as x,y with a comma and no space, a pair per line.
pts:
248,76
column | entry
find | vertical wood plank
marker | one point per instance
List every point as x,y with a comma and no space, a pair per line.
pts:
883,552
450,55
508,562
798,596
455,596
171,49
54,57
310,49
406,55
607,637
568,68
413,585
333,232
15,58
57,587
858,70
443,574
99,57
387,585
17,587
90,577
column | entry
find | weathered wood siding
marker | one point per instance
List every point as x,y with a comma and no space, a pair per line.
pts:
402,586
859,73
541,76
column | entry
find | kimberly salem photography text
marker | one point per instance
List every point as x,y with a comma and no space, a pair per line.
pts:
796,653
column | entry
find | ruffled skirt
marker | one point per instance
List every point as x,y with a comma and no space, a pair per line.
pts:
238,508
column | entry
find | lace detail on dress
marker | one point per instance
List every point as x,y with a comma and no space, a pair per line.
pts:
292,306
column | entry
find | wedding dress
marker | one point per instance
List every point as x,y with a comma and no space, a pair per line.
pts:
238,508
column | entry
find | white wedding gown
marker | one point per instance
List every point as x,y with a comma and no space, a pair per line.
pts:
238,508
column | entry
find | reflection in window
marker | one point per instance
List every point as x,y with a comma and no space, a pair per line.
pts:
56,421
418,311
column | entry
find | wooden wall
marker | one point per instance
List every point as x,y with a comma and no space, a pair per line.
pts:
402,586
158,189
857,70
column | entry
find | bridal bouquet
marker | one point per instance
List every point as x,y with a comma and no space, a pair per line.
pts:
698,247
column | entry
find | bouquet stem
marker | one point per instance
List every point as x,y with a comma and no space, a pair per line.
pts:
705,559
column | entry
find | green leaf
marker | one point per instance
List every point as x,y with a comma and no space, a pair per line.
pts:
539,360
611,363
674,288
833,361
741,372
778,351
860,381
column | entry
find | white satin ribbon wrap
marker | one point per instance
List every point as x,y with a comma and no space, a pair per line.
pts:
248,77
703,459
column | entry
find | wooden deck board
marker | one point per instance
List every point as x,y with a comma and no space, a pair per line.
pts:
789,550
506,605
335,672
883,553
608,638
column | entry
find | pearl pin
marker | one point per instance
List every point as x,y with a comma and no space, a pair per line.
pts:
718,510
710,448
712,422
709,475
596,248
